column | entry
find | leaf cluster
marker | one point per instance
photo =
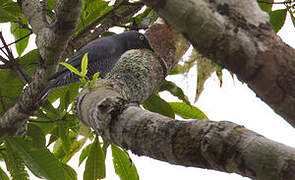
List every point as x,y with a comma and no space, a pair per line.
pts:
55,123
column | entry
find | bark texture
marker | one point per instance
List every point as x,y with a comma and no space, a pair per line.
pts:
237,35
222,146
52,38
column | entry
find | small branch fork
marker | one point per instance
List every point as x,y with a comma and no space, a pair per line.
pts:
12,63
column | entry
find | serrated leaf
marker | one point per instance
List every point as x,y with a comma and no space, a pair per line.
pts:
84,65
19,32
3,175
186,111
174,90
277,18
123,165
95,163
156,104
71,68
40,161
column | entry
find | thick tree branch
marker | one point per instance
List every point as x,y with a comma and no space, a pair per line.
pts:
237,35
222,146
51,40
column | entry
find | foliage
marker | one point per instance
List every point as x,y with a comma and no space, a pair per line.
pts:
278,16
56,120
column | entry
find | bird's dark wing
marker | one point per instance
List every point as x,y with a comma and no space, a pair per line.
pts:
101,54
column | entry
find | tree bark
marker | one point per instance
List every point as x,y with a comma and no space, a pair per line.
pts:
237,35
109,109
52,38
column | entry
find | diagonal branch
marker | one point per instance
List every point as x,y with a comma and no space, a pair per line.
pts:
222,146
51,41
238,36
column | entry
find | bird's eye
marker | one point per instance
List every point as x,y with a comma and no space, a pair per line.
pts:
141,37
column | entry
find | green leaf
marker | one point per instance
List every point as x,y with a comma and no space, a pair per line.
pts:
29,61
10,89
174,90
91,10
9,11
71,68
75,147
84,154
3,175
95,164
19,32
61,92
70,173
156,104
277,18
40,161
84,65
63,133
51,4
266,5
15,165
94,79
123,165
186,111
37,136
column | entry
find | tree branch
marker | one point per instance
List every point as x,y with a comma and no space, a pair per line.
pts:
222,146
51,41
237,35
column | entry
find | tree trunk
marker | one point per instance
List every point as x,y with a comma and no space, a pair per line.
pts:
237,35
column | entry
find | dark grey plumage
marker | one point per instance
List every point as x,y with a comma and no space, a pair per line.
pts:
103,54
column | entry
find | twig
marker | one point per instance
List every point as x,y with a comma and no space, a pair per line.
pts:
58,120
24,26
6,62
81,39
94,23
8,51
14,63
18,40
4,66
36,121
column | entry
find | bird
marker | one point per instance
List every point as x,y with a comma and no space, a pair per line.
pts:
103,54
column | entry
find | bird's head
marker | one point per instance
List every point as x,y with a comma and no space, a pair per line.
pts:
135,40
